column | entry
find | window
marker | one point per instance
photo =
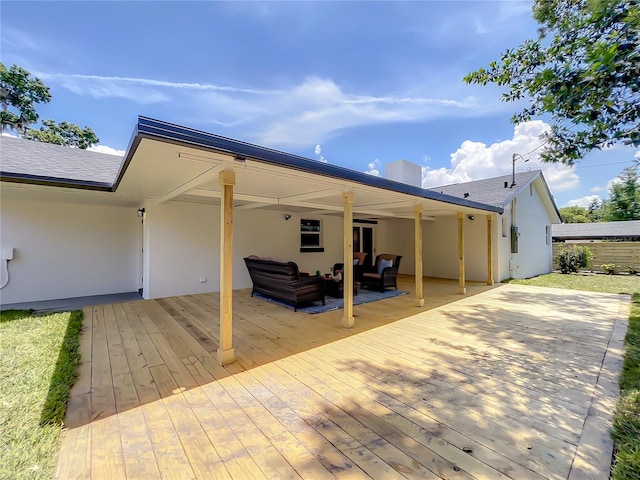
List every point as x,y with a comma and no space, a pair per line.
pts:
548,234
531,189
310,236
505,227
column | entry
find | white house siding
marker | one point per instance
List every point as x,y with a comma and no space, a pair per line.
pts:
64,250
183,246
504,244
534,255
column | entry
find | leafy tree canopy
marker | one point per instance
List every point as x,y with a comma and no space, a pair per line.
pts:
574,215
624,196
19,94
63,133
582,71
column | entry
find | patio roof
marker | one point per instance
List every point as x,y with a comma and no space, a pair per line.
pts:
191,160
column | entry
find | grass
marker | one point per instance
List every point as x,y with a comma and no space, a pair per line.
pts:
38,365
626,417
594,283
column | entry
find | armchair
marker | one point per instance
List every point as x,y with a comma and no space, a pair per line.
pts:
358,266
383,274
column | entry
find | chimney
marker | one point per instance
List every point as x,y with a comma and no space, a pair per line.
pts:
405,172
506,184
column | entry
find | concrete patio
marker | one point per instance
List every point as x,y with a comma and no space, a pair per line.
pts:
503,382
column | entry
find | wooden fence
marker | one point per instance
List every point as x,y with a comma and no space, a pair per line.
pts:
622,254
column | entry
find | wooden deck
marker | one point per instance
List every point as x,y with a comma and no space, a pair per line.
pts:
505,382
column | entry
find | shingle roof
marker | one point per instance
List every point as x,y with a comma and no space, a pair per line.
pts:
597,230
491,191
47,161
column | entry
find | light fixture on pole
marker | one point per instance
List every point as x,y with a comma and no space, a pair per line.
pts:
515,157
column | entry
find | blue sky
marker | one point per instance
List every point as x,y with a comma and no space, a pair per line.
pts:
356,84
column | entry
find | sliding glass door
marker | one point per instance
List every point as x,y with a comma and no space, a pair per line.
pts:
363,242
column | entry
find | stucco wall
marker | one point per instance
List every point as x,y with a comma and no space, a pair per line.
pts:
440,247
65,250
183,244
397,236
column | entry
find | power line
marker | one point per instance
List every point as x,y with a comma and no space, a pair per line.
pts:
588,166
541,145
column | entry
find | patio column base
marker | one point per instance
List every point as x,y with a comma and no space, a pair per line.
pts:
348,322
225,357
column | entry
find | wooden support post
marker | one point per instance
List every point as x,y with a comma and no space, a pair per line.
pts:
417,211
347,312
226,354
489,251
462,288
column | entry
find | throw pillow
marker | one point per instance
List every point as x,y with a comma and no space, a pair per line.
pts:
355,261
384,264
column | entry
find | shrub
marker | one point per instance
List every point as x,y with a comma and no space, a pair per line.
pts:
570,259
609,268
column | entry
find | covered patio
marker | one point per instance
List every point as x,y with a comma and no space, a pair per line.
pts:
501,382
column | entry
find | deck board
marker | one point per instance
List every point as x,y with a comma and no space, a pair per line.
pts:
498,383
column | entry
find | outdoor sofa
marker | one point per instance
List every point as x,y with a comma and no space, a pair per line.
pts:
283,281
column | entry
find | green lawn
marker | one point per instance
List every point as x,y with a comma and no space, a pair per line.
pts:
38,361
626,421
592,282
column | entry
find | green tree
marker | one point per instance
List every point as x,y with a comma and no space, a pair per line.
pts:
582,71
624,196
597,210
574,215
63,133
19,93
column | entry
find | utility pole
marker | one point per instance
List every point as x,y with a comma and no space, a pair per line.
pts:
515,157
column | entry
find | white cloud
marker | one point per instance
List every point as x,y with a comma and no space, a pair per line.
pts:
314,108
318,152
597,189
318,107
107,150
583,201
374,168
475,160
560,179
21,40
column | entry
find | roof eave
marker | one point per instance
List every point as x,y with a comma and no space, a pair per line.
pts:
54,181
553,202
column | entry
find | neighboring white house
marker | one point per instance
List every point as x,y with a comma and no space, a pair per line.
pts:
76,223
